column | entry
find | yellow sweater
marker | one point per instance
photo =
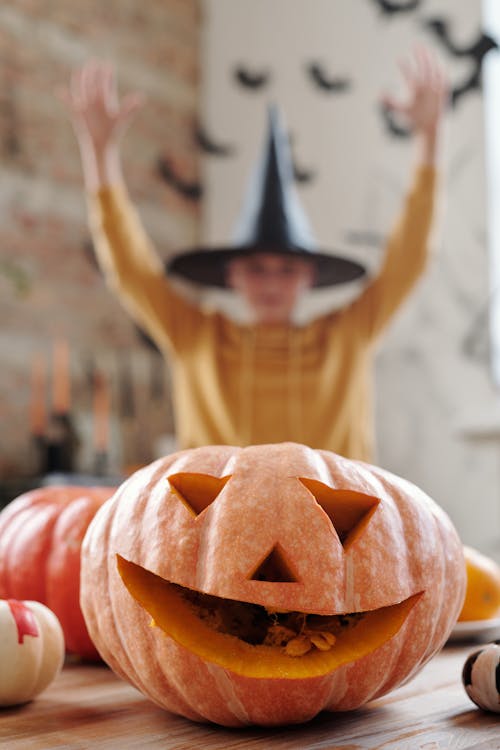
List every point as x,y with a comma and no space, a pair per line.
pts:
242,385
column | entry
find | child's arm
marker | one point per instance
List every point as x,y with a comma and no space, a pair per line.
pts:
128,260
408,247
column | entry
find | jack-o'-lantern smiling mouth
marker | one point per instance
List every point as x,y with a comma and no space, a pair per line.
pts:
254,642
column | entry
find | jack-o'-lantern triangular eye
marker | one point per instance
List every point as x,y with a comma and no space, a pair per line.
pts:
196,491
349,511
274,568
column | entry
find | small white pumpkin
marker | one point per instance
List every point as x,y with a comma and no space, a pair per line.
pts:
481,677
31,650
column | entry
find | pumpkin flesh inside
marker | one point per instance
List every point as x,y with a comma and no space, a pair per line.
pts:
250,641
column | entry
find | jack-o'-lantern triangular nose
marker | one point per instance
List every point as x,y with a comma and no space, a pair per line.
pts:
274,568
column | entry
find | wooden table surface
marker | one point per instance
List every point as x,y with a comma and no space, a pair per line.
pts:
88,707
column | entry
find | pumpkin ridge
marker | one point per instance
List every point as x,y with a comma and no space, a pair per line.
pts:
110,617
62,568
118,658
35,587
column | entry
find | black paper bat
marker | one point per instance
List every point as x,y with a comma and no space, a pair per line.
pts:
209,146
472,83
389,8
440,27
190,190
250,79
391,125
477,51
325,82
303,175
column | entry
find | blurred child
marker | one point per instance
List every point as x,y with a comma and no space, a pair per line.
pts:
269,380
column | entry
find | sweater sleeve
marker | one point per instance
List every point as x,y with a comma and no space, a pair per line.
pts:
405,258
135,272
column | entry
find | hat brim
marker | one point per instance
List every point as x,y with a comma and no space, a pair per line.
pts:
208,267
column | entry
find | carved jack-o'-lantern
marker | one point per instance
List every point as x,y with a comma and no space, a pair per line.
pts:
265,584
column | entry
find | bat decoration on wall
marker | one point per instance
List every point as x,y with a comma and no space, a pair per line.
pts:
472,83
392,127
251,79
475,51
390,8
209,146
326,83
190,190
303,176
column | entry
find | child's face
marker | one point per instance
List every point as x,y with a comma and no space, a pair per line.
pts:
271,284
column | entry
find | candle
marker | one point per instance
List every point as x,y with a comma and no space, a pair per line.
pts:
60,377
101,412
38,411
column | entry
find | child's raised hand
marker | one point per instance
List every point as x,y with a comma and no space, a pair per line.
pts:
427,92
98,116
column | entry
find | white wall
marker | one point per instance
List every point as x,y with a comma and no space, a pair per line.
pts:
429,390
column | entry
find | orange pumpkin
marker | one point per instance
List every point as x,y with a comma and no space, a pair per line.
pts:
262,585
40,540
482,594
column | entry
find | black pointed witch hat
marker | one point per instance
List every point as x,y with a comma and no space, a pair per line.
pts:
272,221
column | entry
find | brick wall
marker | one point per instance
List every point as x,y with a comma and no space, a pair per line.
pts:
48,285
